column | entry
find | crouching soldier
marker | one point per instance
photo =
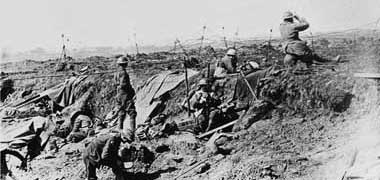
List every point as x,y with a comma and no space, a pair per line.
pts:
205,104
104,151
125,94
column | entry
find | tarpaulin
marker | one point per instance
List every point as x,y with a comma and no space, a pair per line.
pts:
22,134
148,95
62,94
65,97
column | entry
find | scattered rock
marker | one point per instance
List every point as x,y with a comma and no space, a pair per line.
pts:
217,140
162,148
191,161
177,159
203,168
219,157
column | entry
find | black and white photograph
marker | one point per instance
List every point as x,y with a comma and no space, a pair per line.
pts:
190,90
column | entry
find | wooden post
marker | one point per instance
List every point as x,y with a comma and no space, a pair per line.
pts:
270,37
224,39
187,88
137,47
202,38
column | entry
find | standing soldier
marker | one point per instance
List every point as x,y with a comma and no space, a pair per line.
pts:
294,47
125,102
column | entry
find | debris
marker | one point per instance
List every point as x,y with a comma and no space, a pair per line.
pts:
162,148
256,112
216,129
368,75
191,161
217,141
202,168
191,168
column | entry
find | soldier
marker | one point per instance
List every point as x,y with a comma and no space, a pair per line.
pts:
227,64
224,66
104,150
82,127
205,104
294,47
125,102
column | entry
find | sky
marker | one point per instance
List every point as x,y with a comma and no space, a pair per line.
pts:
27,24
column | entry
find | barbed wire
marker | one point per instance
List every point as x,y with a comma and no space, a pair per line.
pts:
194,41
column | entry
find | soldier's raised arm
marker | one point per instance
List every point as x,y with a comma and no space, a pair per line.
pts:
302,23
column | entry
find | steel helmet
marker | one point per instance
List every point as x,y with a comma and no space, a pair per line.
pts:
253,64
202,82
287,15
122,60
231,52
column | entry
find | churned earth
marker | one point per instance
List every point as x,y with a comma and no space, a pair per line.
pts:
305,136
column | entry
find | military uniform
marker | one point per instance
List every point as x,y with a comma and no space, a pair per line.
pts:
206,109
82,126
226,65
125,103
103,151
294,47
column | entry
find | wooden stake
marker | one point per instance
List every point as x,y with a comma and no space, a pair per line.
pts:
202,38
224,39
187,88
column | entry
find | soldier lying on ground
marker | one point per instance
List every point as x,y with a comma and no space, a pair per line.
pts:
82,128
76,129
